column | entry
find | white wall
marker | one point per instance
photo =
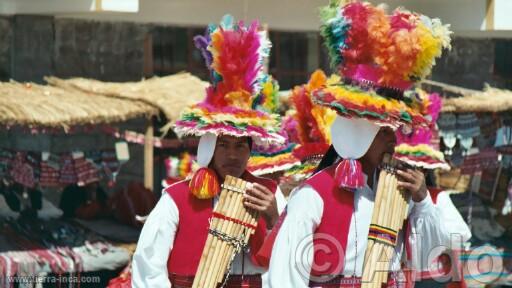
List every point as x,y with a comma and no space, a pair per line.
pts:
66,6
467,17
503,15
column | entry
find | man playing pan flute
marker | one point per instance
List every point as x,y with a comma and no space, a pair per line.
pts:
172,240
323,238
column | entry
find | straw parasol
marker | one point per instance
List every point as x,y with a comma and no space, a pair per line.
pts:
490,100
46,106
170,94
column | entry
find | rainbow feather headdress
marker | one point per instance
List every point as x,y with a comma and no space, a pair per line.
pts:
415,148
379,56
234,54
277,157
311,124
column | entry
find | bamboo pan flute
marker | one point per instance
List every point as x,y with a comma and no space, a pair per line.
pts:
389,214
230,229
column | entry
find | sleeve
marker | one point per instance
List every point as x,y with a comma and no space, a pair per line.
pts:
427,234
458,231
287,266
149,265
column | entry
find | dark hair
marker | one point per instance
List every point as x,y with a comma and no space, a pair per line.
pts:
249,139
430,178
329,158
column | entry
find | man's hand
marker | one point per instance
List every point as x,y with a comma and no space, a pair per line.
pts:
414,182
259,198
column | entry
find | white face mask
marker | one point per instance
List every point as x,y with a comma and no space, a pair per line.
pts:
205,149
352,138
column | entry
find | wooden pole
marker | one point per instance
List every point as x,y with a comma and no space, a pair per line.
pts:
489,15
148,156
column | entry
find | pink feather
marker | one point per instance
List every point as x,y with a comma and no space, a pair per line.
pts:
435,106
236,61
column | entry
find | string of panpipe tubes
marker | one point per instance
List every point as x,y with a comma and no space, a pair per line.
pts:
389,214
230,229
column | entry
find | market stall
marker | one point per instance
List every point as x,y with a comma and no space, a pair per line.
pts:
169,94
476,137
64,144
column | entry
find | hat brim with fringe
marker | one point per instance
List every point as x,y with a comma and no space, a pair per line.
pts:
268,163
352,101
301,172
199,120
422,156
310,155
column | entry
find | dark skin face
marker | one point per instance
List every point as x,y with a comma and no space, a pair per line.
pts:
412,180
230,158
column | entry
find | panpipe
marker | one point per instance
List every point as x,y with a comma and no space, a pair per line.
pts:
231,227
389,214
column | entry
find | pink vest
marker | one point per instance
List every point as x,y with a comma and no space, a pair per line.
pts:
330,240
192,231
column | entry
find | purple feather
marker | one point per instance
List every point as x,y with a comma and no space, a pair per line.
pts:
201,43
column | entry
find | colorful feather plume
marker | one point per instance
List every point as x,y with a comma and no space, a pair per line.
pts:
238,52
404,45
379,57
313,121
234,54
268,98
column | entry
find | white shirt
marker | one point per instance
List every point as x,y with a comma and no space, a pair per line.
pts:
457,228
292,254
149,265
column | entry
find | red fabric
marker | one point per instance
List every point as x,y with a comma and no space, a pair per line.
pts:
67,173
49,176
194,215
90,210
335,223
22,172
124,280
265,251
133,200
349,174
434,192
86,173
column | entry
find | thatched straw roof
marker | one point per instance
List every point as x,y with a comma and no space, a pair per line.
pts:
46,106
490,100
169,94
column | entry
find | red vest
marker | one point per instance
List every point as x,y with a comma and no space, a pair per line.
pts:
330,240
194,215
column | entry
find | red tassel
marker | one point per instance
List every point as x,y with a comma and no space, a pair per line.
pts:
204,184
349,174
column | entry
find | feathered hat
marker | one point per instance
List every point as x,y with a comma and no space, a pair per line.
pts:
234,54
378,57
273,158
416,148
310,123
